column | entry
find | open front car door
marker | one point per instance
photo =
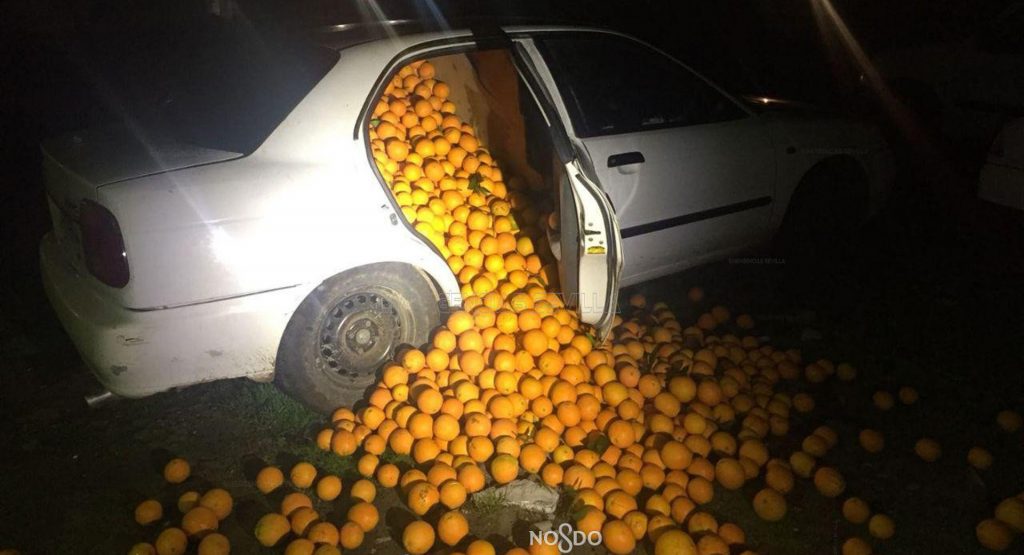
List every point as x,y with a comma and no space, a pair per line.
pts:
589,249
587,243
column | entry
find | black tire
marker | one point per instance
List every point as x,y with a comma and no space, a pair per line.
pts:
342,333
826,210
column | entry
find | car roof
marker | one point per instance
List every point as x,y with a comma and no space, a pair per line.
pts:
345,35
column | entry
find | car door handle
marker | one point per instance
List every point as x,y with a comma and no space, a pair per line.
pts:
626,158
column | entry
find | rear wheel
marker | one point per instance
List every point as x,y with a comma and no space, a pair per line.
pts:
346,329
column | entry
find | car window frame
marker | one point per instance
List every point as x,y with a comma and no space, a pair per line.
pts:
456,44
570,109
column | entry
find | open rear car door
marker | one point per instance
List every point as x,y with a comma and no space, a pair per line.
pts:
587,243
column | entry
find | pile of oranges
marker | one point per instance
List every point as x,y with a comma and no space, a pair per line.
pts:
201,515
298,515
514,384
640,429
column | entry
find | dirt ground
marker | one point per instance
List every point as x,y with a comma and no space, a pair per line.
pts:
929,297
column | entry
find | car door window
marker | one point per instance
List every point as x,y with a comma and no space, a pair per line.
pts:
613,85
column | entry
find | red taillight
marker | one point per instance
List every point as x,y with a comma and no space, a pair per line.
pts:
103,245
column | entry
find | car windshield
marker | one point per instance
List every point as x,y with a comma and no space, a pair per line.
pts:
229,87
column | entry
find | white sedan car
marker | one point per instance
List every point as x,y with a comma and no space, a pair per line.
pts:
253,236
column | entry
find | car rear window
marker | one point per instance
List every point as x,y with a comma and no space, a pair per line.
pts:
229,88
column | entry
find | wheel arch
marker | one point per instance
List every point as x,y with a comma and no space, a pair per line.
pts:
409,269
852,174
293,371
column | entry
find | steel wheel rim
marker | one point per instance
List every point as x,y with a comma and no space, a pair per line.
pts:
359,332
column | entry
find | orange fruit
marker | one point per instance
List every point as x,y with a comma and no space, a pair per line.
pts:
480,547
928,449
729,473
534,342
328,488
532,457
400,441
198,521
350,535
856,510
365,515
829,481
871,441
214,544
300,546
452,527
504,468
137,549
397,149
618,503
219,501
271,528
177,471
303,474
993,534
422,496
881,526
459,321
323,533
387,475
618,537
187,501
148,512
675,455
1010,511
367,466
979,458
429,401
364,490
674,542
293,501
1009,421
621,434
418,537
471,477
770,505
480,448
302,518
732,534
171,541
452,494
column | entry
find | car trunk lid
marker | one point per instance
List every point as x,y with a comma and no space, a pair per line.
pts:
77,164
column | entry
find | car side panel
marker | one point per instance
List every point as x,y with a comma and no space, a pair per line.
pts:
303,207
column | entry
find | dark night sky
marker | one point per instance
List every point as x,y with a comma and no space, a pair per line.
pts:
59,56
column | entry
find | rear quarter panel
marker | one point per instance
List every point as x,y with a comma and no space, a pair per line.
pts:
802,141
305,206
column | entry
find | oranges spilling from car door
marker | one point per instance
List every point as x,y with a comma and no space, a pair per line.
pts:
527,387
641,427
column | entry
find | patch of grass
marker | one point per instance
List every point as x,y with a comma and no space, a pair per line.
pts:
487,503
568,505
269,408
328,462
401,461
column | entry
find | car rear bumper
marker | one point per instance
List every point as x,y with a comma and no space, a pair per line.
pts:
135,353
